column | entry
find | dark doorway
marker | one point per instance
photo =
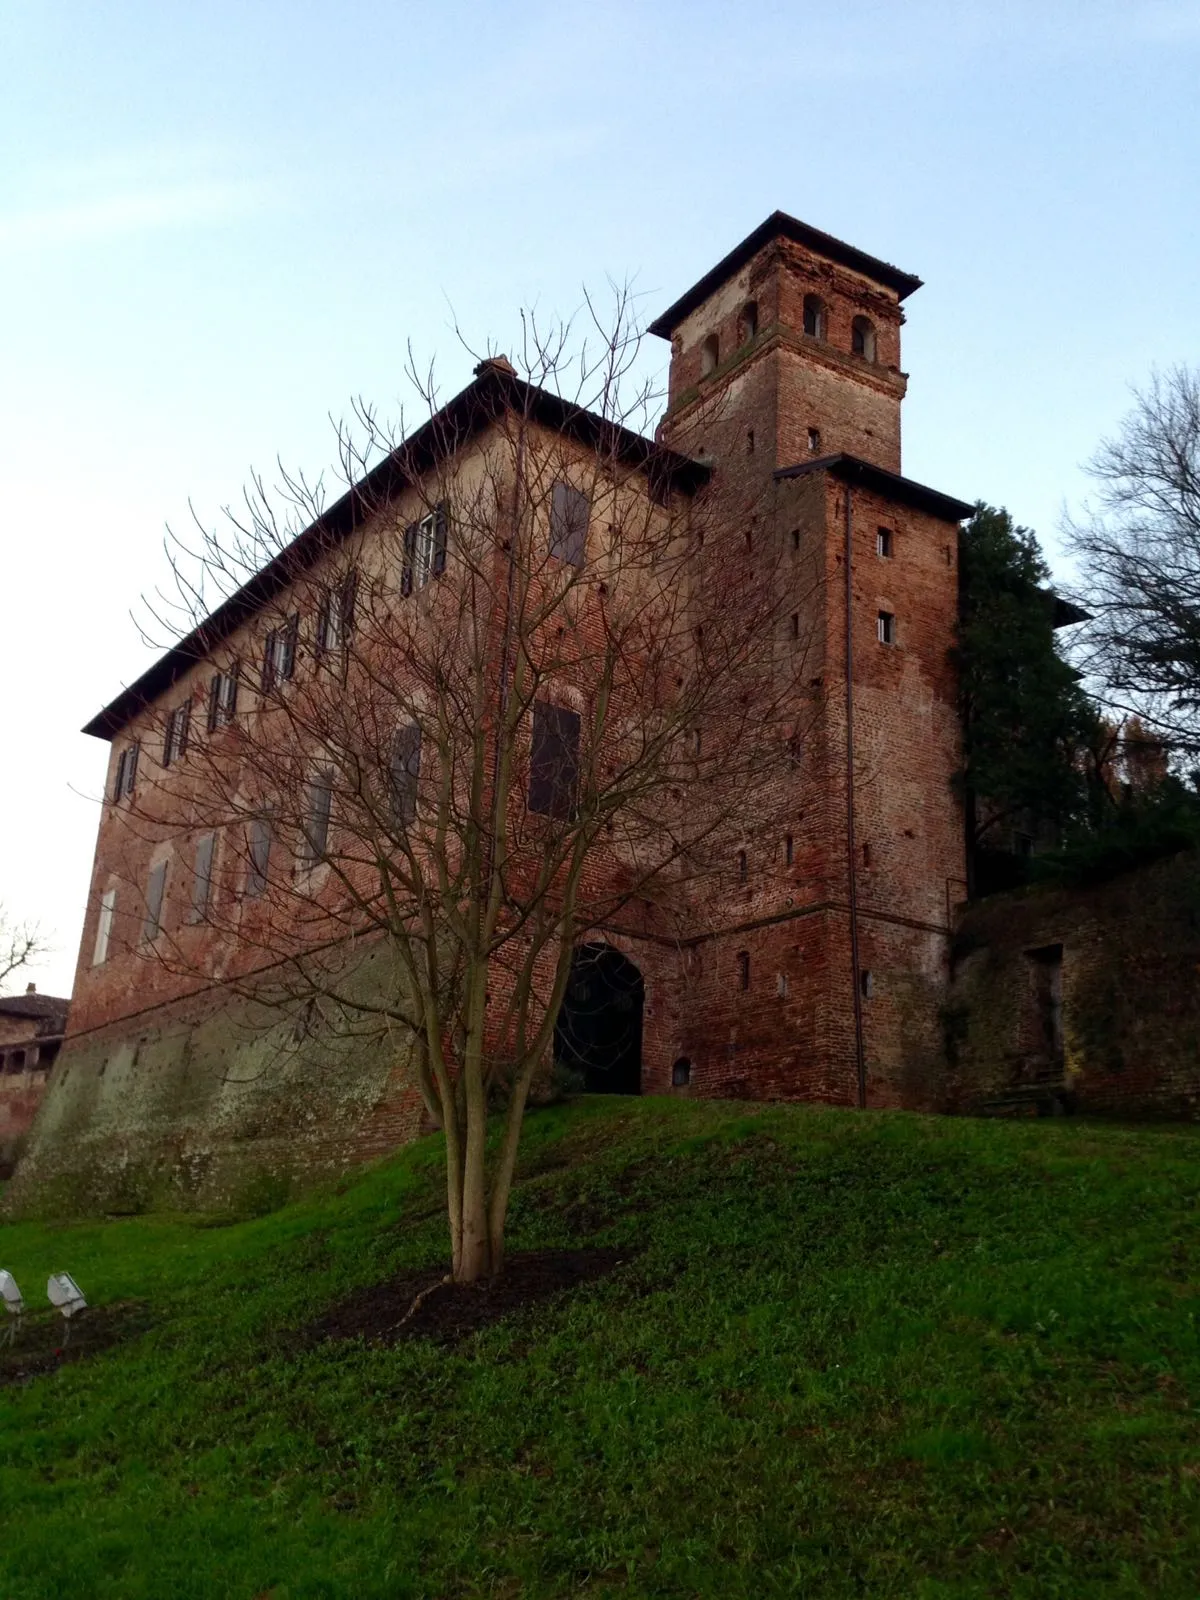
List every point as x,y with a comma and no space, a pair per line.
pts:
599,1029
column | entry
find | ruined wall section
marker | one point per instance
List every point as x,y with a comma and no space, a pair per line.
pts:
1125,1000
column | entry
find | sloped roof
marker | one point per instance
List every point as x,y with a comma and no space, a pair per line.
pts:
495,391
854,470
40,1007
779,225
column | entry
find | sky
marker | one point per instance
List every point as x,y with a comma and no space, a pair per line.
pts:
220,223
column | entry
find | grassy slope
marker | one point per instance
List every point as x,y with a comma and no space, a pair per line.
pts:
857,1355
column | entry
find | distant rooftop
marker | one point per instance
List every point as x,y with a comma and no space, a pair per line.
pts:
41,1007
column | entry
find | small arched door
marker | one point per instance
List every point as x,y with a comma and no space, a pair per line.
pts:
599,1028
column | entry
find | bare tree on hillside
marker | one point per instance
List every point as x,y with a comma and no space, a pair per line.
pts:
1139,560
516,688
21,944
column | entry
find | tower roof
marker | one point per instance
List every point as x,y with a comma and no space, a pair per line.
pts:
779,225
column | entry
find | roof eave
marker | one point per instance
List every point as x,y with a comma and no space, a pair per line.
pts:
854,470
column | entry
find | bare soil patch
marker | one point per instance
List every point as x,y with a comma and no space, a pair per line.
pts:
450,1312
41,1344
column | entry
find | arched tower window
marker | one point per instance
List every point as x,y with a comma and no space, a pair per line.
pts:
862,338
748,321
710,354
814,316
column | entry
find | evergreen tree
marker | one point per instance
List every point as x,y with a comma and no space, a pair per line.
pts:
1026,720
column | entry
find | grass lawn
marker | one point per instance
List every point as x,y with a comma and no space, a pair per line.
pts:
851,1354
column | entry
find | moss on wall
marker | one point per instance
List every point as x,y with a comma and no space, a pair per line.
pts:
219,1104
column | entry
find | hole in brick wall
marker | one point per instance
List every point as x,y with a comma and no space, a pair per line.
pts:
795,538
681,1073
743,866
866,983
781,985
750,441
814,316
748,321
749,539
795,624
814,440
883,543
866,855
743,969
789,850
887,627
710,352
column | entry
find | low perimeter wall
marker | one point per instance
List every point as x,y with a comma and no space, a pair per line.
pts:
211,1104
1082,998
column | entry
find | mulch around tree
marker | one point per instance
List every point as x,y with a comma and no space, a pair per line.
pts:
41,1344
452,1311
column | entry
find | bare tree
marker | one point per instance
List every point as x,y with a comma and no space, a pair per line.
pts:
21,944
515,687
1139,558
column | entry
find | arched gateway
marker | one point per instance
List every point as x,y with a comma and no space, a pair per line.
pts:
599,1028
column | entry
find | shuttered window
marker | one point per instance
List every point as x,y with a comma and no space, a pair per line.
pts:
222,697
279,653
202,876
126,774
335,619
155,887
175,735
404,772
319,804
570,513
554,761
258,841
424,550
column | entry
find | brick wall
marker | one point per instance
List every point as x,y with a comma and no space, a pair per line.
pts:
1130,997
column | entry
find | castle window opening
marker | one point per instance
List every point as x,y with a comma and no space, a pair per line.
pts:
259,852
175,735
155,887
318,807
814,316
126,775
681,1073
781,985
795,538
748,321
279,655
743,969
554,760
710,354
866,983
866,855
789,851
887,627
202,871
883,543
108,905
750,442
570,513
743,865
862,338
222,697
424,550
795,624
814,440
403,773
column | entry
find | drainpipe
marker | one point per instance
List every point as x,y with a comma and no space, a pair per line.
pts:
851,848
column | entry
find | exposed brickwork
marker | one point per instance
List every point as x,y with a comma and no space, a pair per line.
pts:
1129,995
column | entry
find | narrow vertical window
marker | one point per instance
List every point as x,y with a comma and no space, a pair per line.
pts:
866,983
795,624
887,627
405,770
258,841
814,316
681,1073
883,543
743,969
789,851
155,887
862,338
570,513
202,876
814,441
318,806
748,321
710,355
743,866
554,761
781,985
108,904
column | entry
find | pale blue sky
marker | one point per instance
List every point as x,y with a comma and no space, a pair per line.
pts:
219,222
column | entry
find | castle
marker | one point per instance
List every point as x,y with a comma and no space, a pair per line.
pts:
819,972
